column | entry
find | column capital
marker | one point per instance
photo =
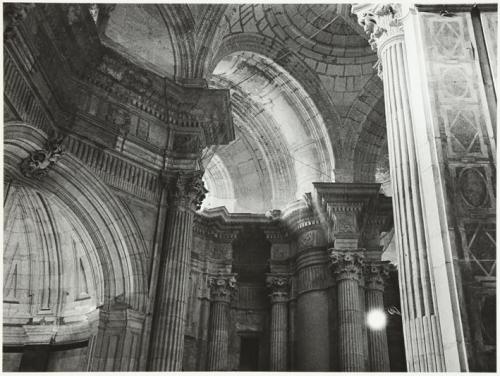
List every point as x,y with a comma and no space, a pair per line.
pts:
347,264
376,275
380,21
185,188
279,286
222,287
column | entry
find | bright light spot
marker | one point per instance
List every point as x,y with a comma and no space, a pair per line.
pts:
376,319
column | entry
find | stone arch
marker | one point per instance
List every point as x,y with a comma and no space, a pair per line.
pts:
121,250
275,50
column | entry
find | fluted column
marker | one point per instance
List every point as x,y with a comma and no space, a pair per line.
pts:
185,193
375,277
221,290
278,286
431,314
347,267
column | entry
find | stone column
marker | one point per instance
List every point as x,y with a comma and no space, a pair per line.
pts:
375,276
347,266
311,331
279,286
431,315
222,287
185,193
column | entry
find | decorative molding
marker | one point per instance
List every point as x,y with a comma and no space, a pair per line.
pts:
116,171
40,162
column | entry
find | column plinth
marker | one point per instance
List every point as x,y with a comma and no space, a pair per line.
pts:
278,286
347,266
222,288
185,191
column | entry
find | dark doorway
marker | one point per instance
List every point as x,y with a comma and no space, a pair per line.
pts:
249,354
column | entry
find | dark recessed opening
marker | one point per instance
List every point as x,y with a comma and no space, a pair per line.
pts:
249,354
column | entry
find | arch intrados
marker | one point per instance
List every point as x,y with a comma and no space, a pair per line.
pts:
309,99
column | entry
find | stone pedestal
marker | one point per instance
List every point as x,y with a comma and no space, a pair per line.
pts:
347,267
375,276
222,288
185,193
278,285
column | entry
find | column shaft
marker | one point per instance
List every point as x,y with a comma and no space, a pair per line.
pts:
170,314
424,351
350,330
221,287
312,334
377,339
279,329
219,337
347,266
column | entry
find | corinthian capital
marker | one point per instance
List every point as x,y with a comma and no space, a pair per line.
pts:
185,188
346,264
279,285
376,275
380,21
222,287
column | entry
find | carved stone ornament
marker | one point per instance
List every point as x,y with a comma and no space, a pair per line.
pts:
380,21
222,287
186,188
279,285
377,274
346,264
473,187
40,162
